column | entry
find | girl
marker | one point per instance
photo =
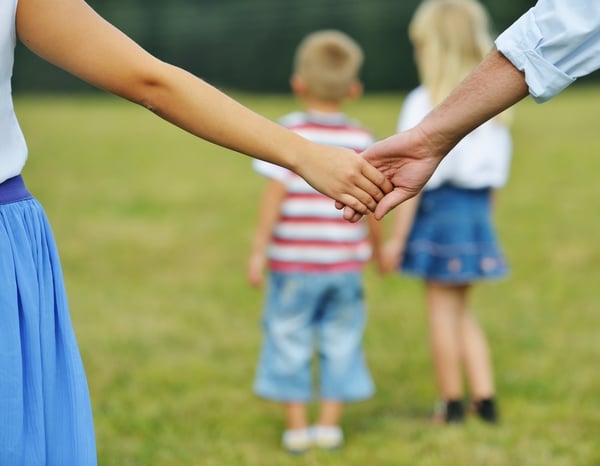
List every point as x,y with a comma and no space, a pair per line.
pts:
446,236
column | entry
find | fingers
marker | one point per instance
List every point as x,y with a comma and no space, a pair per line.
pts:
380,184
351,215
391,200
370,188
255,280
354,209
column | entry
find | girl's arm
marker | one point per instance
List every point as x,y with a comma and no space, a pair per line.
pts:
375,230
69,34
393,249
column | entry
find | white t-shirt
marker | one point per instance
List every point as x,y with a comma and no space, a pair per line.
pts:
13,150
480,160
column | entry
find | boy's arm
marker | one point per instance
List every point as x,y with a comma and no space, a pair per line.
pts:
393,249
268,215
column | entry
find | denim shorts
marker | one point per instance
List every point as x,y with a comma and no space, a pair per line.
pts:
308,314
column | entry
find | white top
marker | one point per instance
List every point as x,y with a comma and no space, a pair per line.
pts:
554,43
480,160
13,150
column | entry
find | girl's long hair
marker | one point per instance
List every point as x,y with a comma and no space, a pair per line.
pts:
450,38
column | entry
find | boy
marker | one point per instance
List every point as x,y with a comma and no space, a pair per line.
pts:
315,258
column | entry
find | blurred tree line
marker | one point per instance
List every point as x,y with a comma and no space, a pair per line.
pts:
248,45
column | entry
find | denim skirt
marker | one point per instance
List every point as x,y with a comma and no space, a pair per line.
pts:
45,412
453,239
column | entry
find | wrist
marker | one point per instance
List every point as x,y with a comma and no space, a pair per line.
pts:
437,135
297,154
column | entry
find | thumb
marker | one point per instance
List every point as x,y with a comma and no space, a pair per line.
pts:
391,200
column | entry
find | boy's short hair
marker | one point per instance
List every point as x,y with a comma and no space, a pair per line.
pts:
329,62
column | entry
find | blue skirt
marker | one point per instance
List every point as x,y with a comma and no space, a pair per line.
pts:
453,239
45,411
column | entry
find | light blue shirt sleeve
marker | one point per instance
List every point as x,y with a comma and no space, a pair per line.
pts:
554,43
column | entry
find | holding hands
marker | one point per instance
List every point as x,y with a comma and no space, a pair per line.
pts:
407,160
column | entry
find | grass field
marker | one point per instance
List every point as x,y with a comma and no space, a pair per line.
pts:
153,228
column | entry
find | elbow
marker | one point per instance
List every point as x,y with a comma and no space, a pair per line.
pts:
148,88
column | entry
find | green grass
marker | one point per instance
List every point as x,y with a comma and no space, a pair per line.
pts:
153,226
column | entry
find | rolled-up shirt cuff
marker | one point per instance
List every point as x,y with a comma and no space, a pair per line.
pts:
520,45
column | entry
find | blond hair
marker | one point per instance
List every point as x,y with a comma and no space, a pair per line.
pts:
329,62
450,38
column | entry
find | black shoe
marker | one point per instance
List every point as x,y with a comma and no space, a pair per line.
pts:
449,412
486,410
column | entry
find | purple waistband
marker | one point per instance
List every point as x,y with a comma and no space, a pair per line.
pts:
13,190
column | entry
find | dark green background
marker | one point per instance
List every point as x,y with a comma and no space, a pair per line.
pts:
248,44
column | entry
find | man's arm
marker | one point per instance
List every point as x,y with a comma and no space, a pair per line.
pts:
409,158
542,53
554,43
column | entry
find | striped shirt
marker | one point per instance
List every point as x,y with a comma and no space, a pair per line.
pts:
311,235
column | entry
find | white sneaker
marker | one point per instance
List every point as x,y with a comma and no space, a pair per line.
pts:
327,437
296,441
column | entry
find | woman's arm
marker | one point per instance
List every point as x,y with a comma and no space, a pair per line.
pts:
69,34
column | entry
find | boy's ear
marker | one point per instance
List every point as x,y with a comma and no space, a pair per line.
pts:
298,85
355,90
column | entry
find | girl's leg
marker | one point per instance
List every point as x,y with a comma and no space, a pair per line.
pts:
478,367
445,304
476,357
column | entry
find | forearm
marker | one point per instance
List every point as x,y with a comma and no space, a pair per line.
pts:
85,45
492,87
375,234
69,34
268,215
403,220
204,111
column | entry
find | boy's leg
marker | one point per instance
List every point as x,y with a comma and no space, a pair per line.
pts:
327,433
284,368
296,416
344,375
297,437
330,412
